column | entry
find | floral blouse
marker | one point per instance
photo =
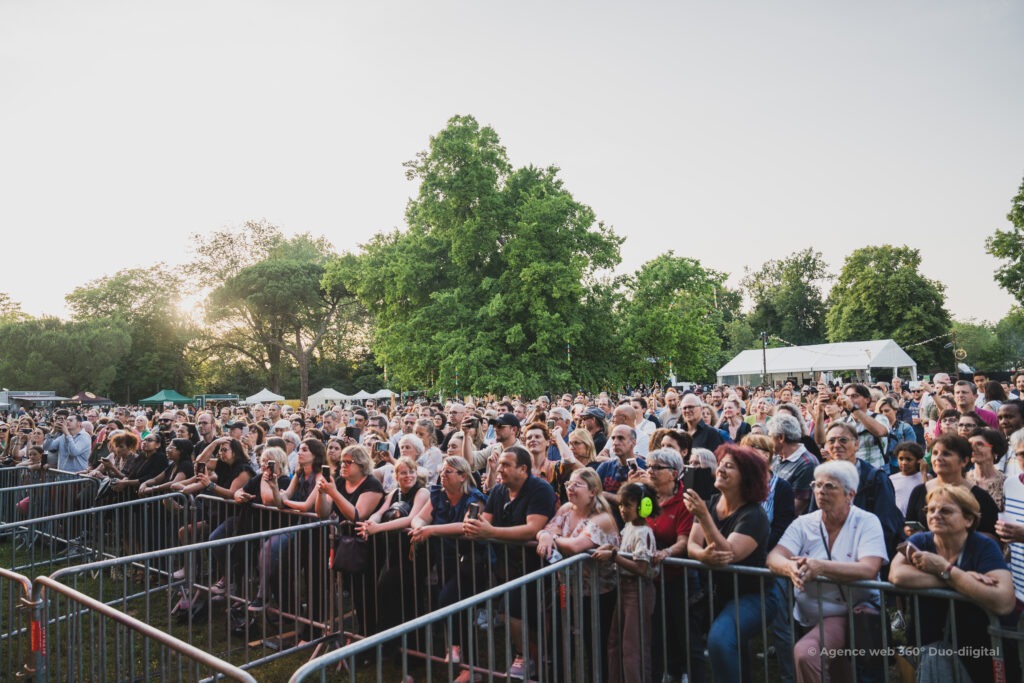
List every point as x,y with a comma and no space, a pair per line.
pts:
560,524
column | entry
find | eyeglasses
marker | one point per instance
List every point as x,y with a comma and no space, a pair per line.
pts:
826,486
951,420
966,425
659,468
839,439
449,472
346,462
576,484
944,511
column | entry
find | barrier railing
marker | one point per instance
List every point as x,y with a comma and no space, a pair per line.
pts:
44,544
41,496
17,651
112,645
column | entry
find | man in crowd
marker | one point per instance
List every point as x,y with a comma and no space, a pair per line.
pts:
70,442
207,429
795,463
704,435
872,429
965,398
592,420
506,434
615,471
670,415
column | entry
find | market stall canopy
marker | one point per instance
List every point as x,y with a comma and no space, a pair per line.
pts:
264,396
383,393
167,396
807,362
90,399
323,396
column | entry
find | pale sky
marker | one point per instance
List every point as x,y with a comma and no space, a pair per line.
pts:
729,132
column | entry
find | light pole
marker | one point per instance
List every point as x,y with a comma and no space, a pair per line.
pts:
764,357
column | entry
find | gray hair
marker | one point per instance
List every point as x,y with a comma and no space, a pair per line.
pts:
667,457
842,471
416,442
293,437
787,426
703,458
331,414
792,409
1016,439
560,412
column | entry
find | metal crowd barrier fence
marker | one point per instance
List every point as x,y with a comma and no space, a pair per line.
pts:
180,591
19,639
39,495
42,545
113,645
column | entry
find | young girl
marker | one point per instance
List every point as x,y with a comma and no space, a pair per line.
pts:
909,456
627,661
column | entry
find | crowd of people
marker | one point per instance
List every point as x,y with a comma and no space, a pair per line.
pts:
917,483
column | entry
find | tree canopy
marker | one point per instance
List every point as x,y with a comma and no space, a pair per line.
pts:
788,298
1008,246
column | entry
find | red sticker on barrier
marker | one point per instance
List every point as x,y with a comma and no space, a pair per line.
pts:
38,638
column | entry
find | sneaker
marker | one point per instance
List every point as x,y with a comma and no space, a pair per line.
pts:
179,575
454,655
219,588
467,676
518,668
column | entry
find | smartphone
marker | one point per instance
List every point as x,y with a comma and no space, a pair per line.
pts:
381,447
631,464
551,424
474,511
272,467
689,478
352,433
200,468
909,550
914,526
26,431
325,471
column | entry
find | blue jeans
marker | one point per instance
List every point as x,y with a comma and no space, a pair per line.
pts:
738,622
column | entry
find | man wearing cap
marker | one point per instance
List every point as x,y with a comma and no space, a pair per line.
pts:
506,435
235,429
592,420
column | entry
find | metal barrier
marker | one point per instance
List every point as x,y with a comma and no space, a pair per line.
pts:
39,496
19,633
113,645
44,544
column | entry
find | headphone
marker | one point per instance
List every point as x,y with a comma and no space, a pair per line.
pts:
646,507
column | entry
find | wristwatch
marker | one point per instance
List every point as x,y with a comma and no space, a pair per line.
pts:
944,574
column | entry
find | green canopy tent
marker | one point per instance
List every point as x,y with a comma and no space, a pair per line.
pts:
167,396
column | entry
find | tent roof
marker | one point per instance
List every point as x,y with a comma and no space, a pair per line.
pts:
857,355
361,395
383,393
328,394
90,398
264,395
167,396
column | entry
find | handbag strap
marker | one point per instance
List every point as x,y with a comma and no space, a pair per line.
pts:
828,553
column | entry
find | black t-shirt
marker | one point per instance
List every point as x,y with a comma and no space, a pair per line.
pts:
185,467
750,520
369,484
989,511
536,497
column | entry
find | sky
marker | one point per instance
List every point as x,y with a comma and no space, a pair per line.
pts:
732,133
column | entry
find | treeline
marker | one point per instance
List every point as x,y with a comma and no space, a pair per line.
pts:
501,283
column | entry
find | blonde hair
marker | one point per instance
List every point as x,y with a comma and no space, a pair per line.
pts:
360,458
588,441
590,477
963,498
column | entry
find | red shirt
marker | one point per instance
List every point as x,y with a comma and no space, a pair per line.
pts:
674,521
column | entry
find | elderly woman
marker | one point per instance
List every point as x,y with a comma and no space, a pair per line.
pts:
950,455
988,446
431,457
837,541
442,517
953,555
732,528
671,531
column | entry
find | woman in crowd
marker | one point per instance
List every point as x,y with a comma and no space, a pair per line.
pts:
732,420
187,430
676,439
442,518
431,457
391,557
836,529
953,555
671,531
732,528
995,395
950,455
353,497
988,446
582,524
711,419
763,411
178,468
967,423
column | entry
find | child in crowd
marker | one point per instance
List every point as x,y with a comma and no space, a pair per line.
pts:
628,662
910,457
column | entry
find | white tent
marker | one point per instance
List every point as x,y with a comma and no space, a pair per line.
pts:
264,396
361,395
383,393
323,396
880,356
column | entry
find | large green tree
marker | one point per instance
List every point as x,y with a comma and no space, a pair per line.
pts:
278,308
672,315
788,297
1008,246
495,279
881,294
145,301
10,310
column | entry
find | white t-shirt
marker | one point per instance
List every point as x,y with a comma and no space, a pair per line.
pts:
860,537
903,485
1013,491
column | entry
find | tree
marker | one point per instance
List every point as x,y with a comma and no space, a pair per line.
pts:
1008,245
10,310
145,301
495,278
1010,332
278,306
788,298
986,350
671,316
881,295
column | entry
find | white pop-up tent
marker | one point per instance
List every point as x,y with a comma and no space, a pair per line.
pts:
264,396
883,357
323,396
383,393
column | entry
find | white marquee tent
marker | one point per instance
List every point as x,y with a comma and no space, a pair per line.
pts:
323,396
881,357
264,396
